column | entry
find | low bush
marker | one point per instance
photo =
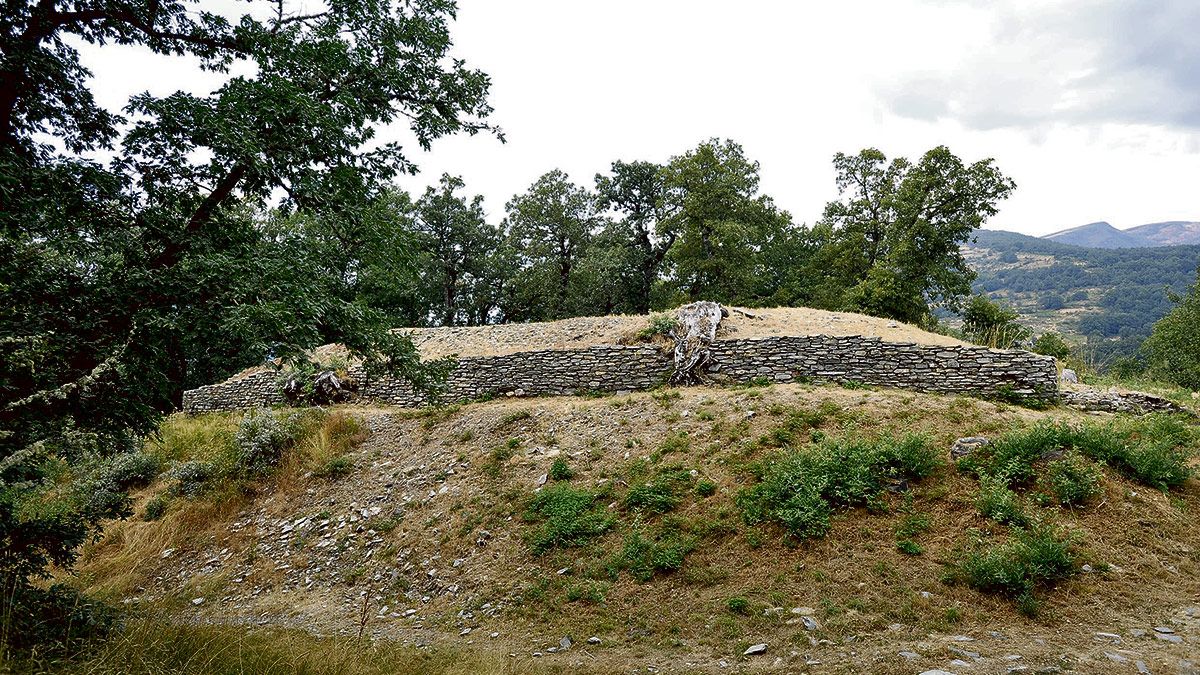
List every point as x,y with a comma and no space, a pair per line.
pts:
1033,558
130,470
799,489
999,503
738,605
659,325
560,470
338,467
568,517
157,506
644,556
1073,480
1154,450
260,438
705,487
192,478
660,494
1010,457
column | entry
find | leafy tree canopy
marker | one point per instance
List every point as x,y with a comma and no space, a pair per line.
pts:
123,281
893,241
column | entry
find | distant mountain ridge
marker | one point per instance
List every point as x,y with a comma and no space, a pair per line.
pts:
1104,235
1110,296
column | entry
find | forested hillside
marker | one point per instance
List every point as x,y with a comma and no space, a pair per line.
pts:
1109,296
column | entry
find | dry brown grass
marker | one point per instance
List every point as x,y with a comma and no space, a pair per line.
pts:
860,585
159,647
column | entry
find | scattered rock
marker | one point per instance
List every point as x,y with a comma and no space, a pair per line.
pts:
593,640
1069,375
804,611
1115,657
910,655
1165,630
810,623
197,601
966,446
565,643
755,650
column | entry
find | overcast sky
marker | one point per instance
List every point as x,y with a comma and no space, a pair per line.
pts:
1092,107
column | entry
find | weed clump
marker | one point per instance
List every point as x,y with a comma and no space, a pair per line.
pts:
1073,480
660,494
1153,450
999,503
338,467
738,605
1033,558
560,470
799,489
568,517
1010,458
644,556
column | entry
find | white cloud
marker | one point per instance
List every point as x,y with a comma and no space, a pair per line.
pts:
1086,105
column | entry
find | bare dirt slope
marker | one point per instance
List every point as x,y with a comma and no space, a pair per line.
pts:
426,542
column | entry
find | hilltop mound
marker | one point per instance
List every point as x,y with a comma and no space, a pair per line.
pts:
621,524
620,329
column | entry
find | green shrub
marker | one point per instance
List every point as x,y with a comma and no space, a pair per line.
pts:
642,557
130,469
659,324
1032,558
800,488
705,487
559,470
1052,344
674,442
192,478
260,438
1010,457
911,456
57,619
1073,480
738,605
660,494
1154,450
908,546
157,506
568,517
338,467
999,503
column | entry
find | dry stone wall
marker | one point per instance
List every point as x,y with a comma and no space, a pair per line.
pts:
616,368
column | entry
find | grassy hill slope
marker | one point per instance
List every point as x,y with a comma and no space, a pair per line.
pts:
676,528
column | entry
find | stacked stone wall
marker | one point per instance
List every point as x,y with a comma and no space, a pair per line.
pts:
616,368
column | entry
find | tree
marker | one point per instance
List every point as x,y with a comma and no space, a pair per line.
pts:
1173,348
550,227
989,323
122,282
895,236
456,244
638,192
722,223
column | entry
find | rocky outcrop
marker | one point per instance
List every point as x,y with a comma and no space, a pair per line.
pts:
1135,402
